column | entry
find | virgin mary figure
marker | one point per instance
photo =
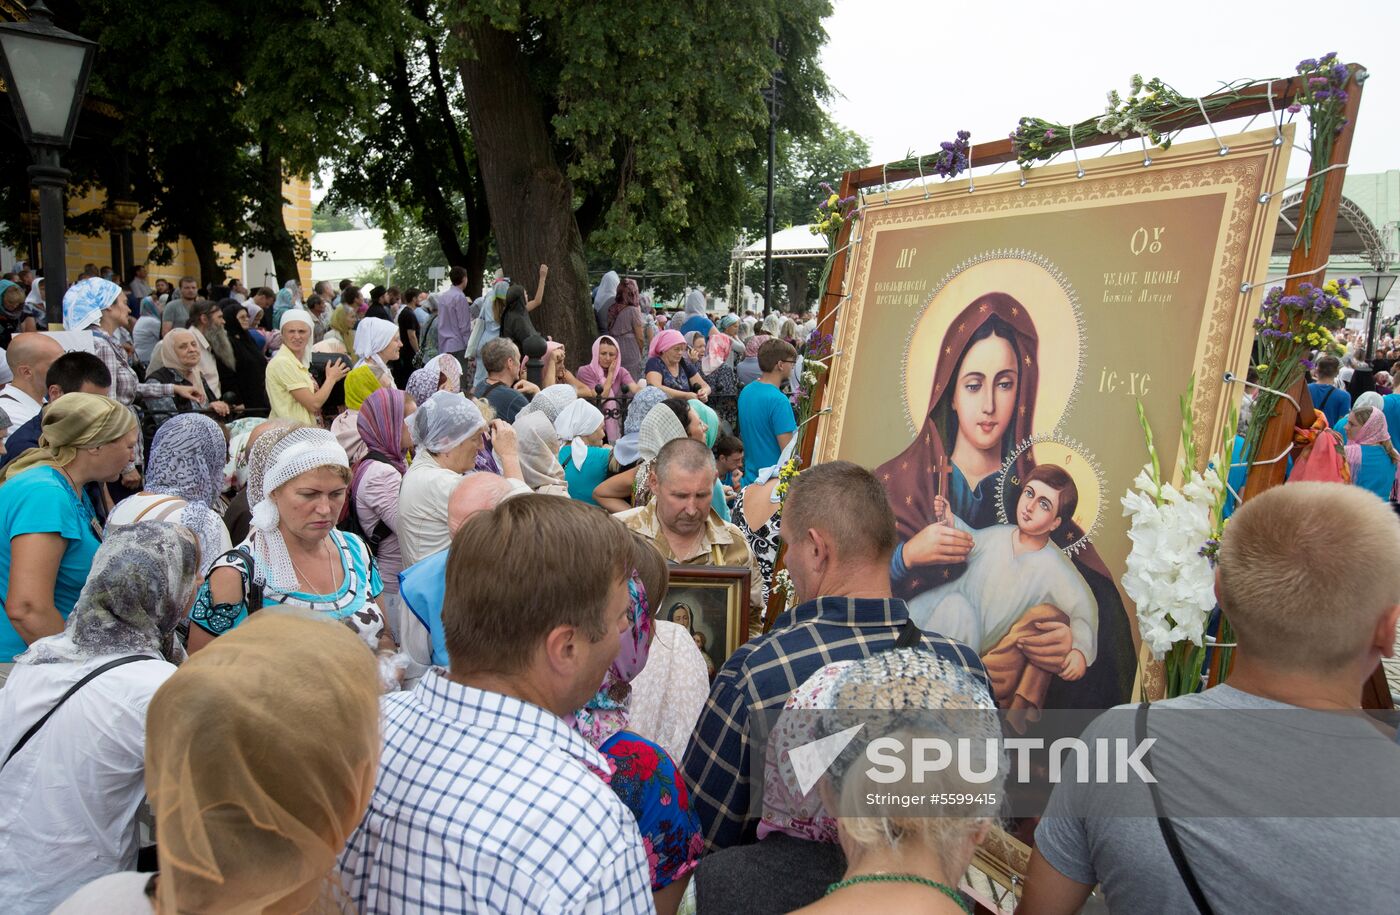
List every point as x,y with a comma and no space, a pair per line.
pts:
981,407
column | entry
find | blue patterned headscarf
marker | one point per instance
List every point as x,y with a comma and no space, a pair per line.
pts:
140,587
187,460
84,301
285,303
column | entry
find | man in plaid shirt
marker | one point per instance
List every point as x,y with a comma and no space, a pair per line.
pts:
840,534
488,800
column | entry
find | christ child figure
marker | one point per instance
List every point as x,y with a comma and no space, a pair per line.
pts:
1017,582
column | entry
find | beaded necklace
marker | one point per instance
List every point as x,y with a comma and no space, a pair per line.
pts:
901,878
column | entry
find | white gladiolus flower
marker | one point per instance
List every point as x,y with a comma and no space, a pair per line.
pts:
1171,583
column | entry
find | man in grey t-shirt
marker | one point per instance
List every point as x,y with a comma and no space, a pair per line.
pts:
1280,801
177,310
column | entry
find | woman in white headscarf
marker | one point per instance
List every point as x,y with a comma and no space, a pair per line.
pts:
291,391
448,431
603,298
73,790
539,455
377,343
583,457
695,318
295,558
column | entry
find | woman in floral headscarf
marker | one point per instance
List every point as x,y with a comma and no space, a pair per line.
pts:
748,368
184,483
86,766
374,485
645,777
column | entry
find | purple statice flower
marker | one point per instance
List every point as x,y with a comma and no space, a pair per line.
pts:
1305,65
1308,365
1294,108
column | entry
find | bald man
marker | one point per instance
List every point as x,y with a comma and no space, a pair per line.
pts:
423,584
29,357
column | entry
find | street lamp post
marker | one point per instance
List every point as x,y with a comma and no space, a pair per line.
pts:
46,72
1377,286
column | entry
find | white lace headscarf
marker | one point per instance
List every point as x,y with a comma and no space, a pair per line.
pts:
551,401
299,451
444,421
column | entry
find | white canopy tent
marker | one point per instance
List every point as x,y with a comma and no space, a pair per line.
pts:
792,243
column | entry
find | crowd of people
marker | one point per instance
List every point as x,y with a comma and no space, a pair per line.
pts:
324,605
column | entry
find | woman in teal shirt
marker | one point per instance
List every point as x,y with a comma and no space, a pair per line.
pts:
585,461
49,532
1370,454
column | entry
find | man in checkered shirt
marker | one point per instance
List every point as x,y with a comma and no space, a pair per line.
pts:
487,800
840,534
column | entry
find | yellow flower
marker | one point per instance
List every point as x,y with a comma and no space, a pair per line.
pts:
832,200
1261,367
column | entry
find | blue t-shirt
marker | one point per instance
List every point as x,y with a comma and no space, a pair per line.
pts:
764,414
583,480
423,587
1333,402
1377,473
40,501
700,323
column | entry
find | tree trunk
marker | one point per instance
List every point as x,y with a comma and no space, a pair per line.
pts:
279,241
469,183
795,278
525,185
211,273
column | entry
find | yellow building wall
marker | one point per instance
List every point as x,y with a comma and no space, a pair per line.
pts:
97,249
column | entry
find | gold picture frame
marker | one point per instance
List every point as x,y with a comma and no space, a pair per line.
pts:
1136,277
717,601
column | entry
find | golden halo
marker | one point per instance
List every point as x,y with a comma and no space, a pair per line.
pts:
1075,460
1054,308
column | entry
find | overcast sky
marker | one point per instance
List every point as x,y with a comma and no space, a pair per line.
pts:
911,73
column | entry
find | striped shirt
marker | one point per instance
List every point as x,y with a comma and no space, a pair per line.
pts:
762,674
488,803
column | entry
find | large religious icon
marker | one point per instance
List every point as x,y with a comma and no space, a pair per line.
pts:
1016,328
